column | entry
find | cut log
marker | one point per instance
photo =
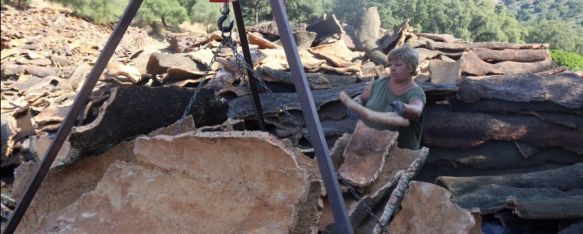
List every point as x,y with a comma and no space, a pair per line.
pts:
502,155
565,178
564,89
242,107
390,119
471,64
524,55
427,208
559,208
473,129
501,106
139,110
488,45
365,155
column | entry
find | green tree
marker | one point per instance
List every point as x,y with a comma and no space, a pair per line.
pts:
170,12
559,33
207,13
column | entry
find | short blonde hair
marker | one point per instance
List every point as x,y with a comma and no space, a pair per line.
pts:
408,55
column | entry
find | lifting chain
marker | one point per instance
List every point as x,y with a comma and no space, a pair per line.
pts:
226,40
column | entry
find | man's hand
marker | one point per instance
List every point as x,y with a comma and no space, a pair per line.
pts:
398,107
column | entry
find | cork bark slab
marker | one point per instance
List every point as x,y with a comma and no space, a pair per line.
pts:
215,182
365,154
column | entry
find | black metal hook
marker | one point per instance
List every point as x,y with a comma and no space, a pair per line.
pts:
221,21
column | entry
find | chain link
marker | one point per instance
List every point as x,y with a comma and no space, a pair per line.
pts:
200,85
242,65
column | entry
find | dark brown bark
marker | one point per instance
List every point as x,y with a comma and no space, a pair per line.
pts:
131,111
466,130
565,89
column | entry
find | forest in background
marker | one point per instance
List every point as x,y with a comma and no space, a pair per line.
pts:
557,22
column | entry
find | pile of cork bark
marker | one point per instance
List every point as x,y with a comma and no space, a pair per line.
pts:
503,124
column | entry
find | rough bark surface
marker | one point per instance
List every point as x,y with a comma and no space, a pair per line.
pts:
473,129
272,103
365,155
131,111
564,89
182,187
524,55
427,208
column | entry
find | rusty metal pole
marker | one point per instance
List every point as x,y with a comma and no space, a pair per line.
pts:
327,171
71,117
247,55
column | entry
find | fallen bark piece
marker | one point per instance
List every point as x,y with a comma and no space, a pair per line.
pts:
315,80
242,107
257,39
383,118
326,28
178,67
564,89
365,155
39,146
444,72
399,191
397,162
122,73
139,110
474,129
395,39
264,186
559,208
40,71
524,55
427,208
370,26
336,53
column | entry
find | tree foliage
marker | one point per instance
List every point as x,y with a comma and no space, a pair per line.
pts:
571,60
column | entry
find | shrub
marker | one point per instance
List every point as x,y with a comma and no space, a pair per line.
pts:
568,59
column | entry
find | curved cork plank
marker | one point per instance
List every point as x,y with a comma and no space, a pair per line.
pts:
365,154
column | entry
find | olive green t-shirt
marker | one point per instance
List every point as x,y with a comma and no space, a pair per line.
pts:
380,100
